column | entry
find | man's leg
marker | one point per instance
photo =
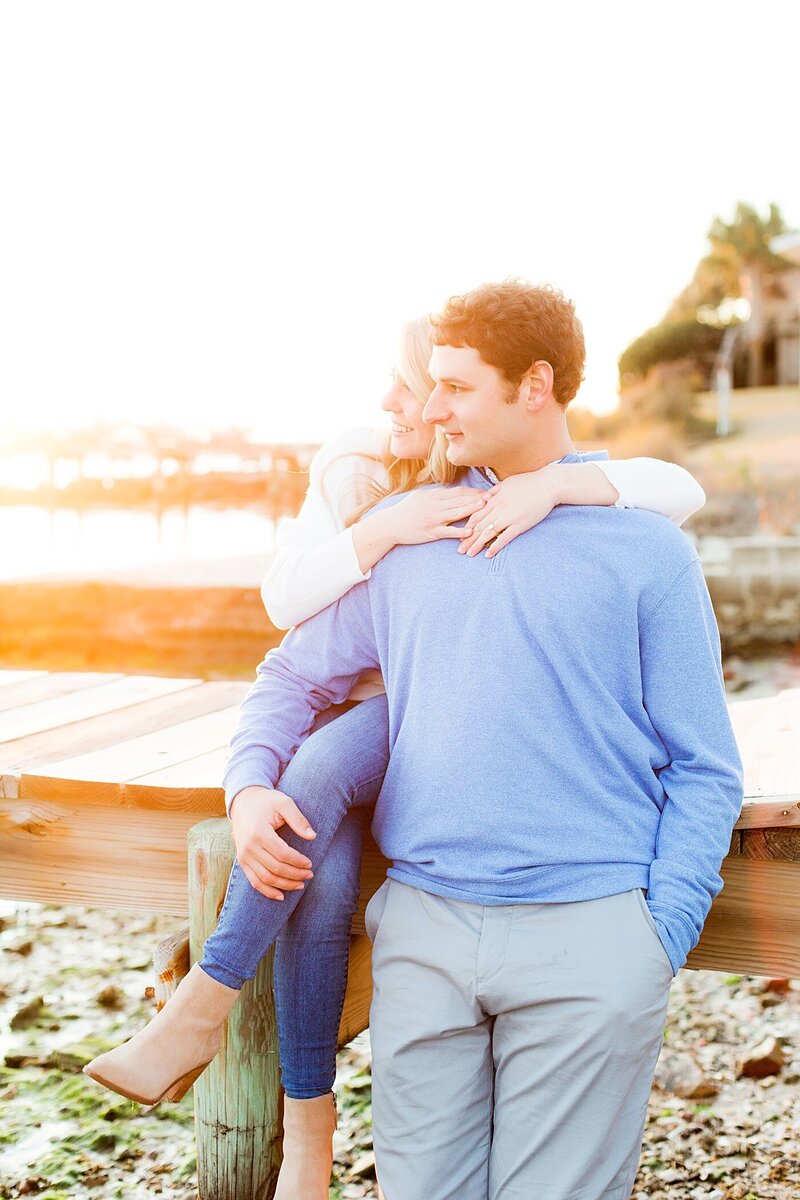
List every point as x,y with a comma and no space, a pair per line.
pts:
580,1009
431,1047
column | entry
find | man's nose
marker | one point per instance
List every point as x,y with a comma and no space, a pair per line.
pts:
435,410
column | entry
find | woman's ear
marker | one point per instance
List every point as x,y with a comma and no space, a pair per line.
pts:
538,385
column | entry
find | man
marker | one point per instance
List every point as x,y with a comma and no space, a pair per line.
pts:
560,743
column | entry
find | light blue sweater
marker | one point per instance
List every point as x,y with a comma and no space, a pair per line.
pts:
558,724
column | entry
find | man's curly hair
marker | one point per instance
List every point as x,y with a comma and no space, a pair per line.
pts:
514,324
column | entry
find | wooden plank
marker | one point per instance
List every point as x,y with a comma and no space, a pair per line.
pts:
358,997
754,924
55,853
373,873
768,736
194,773
78,793
171,965
100,774
782,843
88,702
7,678
96,733
48,686
770,813
745,713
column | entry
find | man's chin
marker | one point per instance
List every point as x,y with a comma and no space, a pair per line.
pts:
458,454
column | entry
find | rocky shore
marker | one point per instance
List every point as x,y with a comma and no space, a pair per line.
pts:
721,1125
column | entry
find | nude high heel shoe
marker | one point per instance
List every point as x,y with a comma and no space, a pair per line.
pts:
163,1060
308,1128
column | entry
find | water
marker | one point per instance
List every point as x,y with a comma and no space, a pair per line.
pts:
36,542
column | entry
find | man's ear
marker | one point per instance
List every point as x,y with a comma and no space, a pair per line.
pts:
537,384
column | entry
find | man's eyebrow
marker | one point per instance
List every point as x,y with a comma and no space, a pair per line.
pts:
452,379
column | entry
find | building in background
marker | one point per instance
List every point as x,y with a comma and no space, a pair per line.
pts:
770,339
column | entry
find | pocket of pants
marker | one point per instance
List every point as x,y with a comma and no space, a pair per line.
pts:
374,910
650,919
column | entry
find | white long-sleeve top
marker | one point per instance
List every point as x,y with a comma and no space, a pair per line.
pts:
316,561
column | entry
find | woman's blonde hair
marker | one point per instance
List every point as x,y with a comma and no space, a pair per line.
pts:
404,474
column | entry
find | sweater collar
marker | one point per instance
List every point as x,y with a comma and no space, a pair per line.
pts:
481,476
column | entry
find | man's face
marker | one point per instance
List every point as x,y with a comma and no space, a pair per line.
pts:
470,403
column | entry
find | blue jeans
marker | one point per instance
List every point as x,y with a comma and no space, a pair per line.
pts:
338,769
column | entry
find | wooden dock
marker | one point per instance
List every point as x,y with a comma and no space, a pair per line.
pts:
103,776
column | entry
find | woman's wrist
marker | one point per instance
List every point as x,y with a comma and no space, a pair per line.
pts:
373,537
579,483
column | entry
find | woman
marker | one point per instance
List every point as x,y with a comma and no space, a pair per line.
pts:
332,545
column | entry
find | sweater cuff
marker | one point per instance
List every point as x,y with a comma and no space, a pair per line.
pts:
242,775
677,936
349,555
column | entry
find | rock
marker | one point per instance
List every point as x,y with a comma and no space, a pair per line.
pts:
679,1073
111,997
28,1014
779,986
764,1059
364,1165
70,1059
30,1187
22,948
15,1061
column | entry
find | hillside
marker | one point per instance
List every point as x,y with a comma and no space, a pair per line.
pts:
751,477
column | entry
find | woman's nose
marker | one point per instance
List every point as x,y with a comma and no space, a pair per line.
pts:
391,401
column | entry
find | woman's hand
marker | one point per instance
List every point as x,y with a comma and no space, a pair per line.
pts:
522,501
424,515
512,506
270,864
427,514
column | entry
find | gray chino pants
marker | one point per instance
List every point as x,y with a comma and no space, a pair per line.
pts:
513,1047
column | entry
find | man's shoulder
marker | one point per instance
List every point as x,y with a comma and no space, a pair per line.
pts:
635,535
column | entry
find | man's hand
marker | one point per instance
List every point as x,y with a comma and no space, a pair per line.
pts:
267,861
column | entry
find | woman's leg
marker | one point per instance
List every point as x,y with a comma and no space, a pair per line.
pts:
311,956
337,768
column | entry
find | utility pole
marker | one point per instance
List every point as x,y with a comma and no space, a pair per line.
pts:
722,380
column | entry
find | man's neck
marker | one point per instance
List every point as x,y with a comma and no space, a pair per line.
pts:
533,458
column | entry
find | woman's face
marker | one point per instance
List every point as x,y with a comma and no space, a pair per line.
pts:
411,437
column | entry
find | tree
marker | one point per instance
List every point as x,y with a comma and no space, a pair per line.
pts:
712,300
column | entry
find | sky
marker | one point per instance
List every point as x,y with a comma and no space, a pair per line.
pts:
221,214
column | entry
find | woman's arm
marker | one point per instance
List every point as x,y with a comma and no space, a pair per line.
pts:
319,560
316,561
521,501
650,483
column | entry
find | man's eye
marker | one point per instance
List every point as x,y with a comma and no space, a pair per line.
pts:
455,389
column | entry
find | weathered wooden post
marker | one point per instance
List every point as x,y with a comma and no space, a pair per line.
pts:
238,1098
